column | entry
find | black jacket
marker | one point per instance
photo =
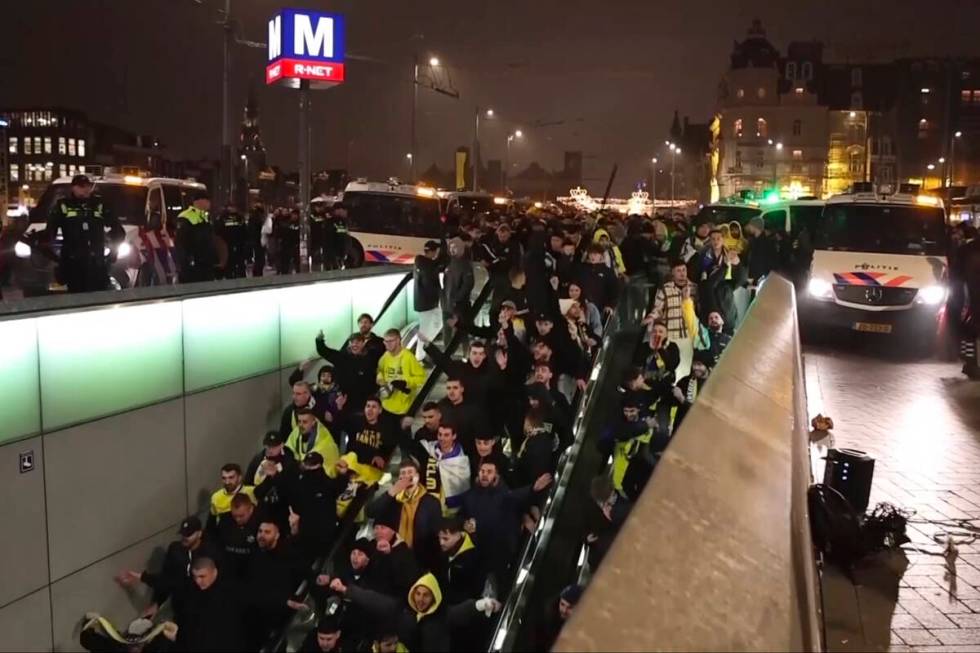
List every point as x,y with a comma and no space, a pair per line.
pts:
468,417
356,374
536,458
426,287
314,499
459,282
237,544
272,578
370,440
461,575
478,382
373,344
500,258
273,493
427,517
716,287
599,284
395,571
174,578
497,512
216,618
83,224
762,256
287,421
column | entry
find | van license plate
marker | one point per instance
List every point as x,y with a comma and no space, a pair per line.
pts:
871,327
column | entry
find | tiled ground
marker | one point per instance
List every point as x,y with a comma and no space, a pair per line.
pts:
920,420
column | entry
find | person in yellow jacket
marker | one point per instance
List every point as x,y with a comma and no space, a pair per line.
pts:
311,435
615,257
400,375
231,484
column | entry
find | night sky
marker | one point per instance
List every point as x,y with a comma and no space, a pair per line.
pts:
614,71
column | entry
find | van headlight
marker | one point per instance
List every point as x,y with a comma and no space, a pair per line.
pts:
931,295
22,249
124,249
820,289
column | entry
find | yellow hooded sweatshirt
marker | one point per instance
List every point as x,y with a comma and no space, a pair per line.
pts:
615,255
429,582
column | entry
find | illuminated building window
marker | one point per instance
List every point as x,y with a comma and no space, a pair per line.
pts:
27,145
740,93
806,71
62,170
761,92
48,172
761,128
37,145
81,147
857,100
856,163
976,97
799,90
47,145
791,70
923,128
62,146
797,127
12,145
738,128
71,147
797,154
14,172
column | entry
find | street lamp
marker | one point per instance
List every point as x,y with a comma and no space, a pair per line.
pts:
433,62
476,146
952,159
518,134
674,151
653,183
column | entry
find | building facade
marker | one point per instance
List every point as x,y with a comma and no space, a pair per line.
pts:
43,144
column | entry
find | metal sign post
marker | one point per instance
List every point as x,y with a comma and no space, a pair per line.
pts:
306,51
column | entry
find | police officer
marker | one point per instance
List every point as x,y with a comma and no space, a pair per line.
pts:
87,228
318,234
287,233
194,249
232,228
336,247
256,222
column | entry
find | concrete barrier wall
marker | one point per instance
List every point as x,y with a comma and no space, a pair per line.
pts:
716,554
126,442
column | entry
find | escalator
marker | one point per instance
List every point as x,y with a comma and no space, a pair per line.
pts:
554,556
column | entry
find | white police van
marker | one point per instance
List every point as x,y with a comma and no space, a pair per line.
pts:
879,265
147,208
390,222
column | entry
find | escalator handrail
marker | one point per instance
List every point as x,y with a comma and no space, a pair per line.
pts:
504,632
394,295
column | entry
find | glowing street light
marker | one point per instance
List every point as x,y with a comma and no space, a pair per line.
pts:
434,61
489,113
931,166
518,134
952,158
653,184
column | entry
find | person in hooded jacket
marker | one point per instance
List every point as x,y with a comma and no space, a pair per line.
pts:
631,437
273,472
458,283
611,255
424,623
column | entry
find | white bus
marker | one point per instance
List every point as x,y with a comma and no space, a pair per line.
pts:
390,222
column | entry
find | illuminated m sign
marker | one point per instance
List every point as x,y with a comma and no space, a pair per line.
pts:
275,38
313,41
305,45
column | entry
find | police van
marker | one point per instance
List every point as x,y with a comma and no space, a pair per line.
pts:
879,265
147,208
389,222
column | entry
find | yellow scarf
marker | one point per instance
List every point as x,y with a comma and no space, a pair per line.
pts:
410,503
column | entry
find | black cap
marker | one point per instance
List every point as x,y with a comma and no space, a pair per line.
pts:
313,459
81,180
364,545
389,518
572,593
704,357
189,526
543,317
328,624
431,246
633,400
272,439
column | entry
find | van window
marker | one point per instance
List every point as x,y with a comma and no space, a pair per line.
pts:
775,220
395,215
885,229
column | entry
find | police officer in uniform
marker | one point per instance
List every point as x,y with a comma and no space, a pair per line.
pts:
87,228
194,249
318,234
336,247
232,228
287,233
256,221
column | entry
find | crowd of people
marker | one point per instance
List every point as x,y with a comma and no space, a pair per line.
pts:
470,482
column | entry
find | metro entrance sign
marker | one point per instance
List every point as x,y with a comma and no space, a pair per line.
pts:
305,45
